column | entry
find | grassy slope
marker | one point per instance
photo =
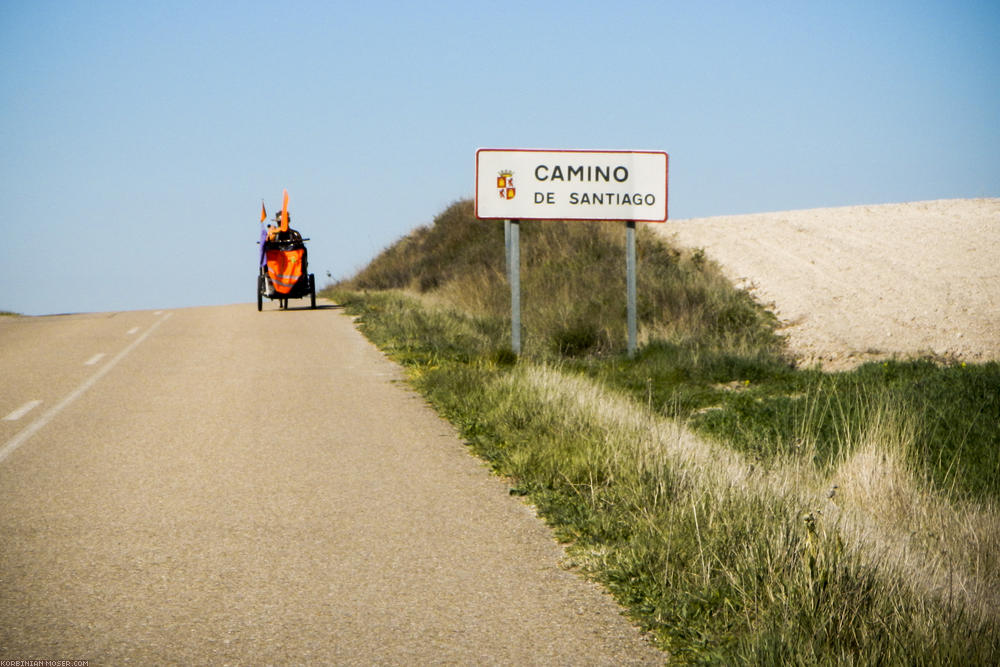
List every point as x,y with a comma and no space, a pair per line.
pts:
711,357
717,565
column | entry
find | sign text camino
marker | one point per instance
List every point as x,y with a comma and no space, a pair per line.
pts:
521,184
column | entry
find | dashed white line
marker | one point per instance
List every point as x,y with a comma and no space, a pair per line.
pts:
49,414
94,359
21,411
131,331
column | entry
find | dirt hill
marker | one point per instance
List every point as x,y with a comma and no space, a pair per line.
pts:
865,282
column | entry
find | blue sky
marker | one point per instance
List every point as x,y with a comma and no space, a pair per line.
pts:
137,139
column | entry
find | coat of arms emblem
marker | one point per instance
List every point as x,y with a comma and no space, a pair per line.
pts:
505,184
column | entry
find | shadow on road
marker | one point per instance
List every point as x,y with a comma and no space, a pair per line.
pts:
323,306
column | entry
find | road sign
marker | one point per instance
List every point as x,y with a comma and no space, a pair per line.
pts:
522,184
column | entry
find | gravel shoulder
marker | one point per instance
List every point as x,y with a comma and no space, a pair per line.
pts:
858,283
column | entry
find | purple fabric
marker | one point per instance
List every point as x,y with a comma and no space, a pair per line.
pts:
263,237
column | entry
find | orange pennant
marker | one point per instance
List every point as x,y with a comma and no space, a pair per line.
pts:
284,212
263,211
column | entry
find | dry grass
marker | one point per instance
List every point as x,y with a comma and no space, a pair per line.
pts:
886,517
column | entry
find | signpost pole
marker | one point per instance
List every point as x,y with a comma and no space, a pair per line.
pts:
514,269
506,242
630,280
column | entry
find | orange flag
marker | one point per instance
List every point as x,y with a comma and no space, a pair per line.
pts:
284,212
263,211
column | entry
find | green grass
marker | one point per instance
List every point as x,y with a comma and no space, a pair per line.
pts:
726,549
767,409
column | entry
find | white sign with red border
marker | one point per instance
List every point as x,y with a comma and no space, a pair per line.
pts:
525,184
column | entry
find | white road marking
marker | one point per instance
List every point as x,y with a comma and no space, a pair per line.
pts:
50,414
94,359
159,312
131,331
21,411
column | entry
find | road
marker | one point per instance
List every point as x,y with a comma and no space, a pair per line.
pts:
222,486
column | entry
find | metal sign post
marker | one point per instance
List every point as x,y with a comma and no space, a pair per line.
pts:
514,274
630,280
506,246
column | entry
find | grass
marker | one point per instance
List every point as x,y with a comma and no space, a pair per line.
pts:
573,285
769,410
742,510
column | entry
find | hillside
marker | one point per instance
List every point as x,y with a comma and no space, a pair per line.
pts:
858,283
743,508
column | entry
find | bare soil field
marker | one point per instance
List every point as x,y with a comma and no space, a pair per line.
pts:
858,283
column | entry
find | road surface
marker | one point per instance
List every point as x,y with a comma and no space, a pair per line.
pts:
222,486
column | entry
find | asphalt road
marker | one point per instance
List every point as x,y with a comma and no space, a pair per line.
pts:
222,486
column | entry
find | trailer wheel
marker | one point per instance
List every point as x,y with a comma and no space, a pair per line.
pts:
312,291
260,293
